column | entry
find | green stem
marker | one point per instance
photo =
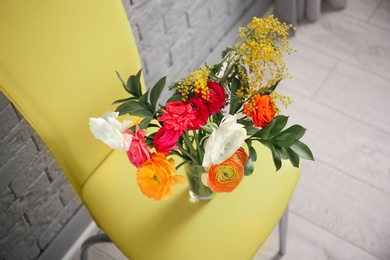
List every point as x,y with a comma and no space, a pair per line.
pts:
181,164
186,153
200,151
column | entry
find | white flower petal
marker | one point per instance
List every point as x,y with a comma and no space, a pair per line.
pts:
111,131
224,141
204,177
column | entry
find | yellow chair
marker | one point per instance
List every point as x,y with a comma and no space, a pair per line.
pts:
57,66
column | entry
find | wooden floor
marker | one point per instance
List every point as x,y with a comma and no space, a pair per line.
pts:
341,89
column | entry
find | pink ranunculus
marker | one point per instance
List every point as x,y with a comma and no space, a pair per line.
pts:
201,112
165,139
217,97
139,151
177,115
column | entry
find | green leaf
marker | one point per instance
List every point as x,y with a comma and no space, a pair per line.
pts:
297,130
156,92
134,108
216,68
234,102
273,87
248,125
280,123
149,140
285,140
249,167
265,131
281,152
174,98
226,51
120,78
275,155
145,123
144,99
302,150
252,154
123,100
292,156
133,85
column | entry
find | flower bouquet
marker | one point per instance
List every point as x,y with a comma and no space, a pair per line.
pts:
211,120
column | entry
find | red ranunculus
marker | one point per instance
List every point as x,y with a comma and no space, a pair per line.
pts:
217,97
165,139
177,115
138,152
200,111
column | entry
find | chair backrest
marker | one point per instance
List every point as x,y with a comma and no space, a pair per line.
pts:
57,66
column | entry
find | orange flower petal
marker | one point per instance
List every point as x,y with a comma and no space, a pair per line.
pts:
157,177
225,177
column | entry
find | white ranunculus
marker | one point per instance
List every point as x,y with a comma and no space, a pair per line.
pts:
224,141
111,131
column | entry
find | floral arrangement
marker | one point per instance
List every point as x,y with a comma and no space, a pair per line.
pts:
212,116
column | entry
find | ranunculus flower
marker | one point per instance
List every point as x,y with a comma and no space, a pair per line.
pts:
138,152
157,177
217,97
165,139
224,141
225,177
177,115
111,131
241,155
261,109
201,113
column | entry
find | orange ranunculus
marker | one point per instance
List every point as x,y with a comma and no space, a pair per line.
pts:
261,109
157,177
225,177
241,155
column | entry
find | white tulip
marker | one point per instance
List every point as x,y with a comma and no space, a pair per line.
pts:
111,131
224,141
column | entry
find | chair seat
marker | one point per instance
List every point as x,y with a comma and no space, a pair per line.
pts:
230,226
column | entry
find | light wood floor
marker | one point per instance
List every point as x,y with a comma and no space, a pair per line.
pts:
341,89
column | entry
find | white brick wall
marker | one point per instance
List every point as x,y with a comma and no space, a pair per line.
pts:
175,37
36,200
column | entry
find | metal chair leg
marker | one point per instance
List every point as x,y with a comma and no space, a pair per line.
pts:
99,238
283,223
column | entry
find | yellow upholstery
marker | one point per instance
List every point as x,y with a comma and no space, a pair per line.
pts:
230,226
57,65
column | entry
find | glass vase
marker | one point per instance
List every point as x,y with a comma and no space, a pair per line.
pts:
198,191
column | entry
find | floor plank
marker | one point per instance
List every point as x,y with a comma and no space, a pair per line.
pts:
361,9
381,16
352,146
344,206
307,241
358,93
309,67
351,40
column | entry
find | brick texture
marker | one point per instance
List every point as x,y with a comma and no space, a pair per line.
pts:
175,37
36,200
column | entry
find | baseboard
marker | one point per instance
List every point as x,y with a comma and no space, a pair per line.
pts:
66,244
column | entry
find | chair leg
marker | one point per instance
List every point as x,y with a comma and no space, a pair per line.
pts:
98,238
283,223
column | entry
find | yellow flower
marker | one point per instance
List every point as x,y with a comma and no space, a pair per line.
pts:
196,80
260,50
